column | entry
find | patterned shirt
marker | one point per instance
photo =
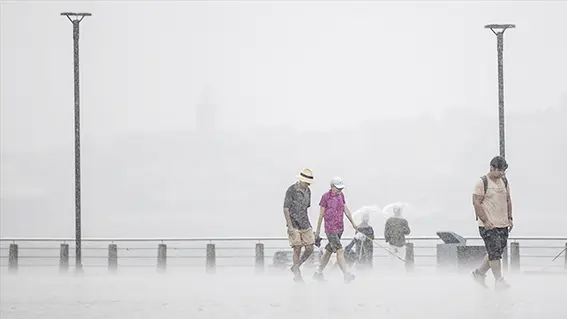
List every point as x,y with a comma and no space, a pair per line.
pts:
298,200
395,231
334,205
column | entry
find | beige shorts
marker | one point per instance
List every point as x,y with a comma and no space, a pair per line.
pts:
301,237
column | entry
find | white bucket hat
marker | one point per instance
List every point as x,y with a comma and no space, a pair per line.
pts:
337,182
306,176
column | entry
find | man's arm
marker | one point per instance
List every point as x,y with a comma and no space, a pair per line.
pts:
287,205
387,231
477,198
509,203
319,221
407,229
287,217
510,208
349,217
477,204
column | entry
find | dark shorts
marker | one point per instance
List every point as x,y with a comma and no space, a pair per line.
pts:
334,242
495,241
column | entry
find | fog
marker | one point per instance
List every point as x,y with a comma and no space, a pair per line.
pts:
181,295
196,116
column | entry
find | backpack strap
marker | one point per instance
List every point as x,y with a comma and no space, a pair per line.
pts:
485,182
505,180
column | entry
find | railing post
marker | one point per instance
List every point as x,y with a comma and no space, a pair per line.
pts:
565,254
515,256
259,257
505,259
64,258
211,259
112,257
162,257
13,258
410,257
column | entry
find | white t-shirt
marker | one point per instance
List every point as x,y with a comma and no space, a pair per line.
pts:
495,201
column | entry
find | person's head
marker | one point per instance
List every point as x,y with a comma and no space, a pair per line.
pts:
398,211
337,184
365,218
498,167
305,178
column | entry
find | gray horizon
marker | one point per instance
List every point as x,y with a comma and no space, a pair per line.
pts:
196,116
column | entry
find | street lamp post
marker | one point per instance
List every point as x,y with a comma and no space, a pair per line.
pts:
498,30
76,19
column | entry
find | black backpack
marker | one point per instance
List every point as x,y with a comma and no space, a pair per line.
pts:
485,182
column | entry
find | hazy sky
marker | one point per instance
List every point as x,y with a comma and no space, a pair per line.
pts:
295,66
302,65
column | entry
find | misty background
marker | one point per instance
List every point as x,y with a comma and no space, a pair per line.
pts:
196,116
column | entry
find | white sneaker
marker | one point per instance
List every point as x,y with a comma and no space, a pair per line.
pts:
501,284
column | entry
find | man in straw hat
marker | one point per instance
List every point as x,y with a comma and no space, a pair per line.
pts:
299,230
333,208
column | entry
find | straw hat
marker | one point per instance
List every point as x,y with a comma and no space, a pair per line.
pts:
306,176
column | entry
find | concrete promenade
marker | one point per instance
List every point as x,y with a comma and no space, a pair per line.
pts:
239,293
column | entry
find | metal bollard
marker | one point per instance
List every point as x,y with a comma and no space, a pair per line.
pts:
515,256
259,257
13,258
162,257
410,257
211,262
505,260
64,258
112,257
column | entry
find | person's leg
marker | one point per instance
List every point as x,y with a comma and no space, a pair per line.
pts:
368,254
496,266
296,258
495,250
484,267
325,260
295,243
495,240
318,275
341,260
329,250
337,246
308,241
396,260
501,235
402,254
479,274
392,256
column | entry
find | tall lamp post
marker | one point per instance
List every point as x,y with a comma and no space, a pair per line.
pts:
498,30
76,19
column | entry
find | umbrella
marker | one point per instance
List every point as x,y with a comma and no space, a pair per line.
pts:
372,211
388,210
408,210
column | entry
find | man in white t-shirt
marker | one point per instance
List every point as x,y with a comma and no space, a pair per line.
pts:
493,207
